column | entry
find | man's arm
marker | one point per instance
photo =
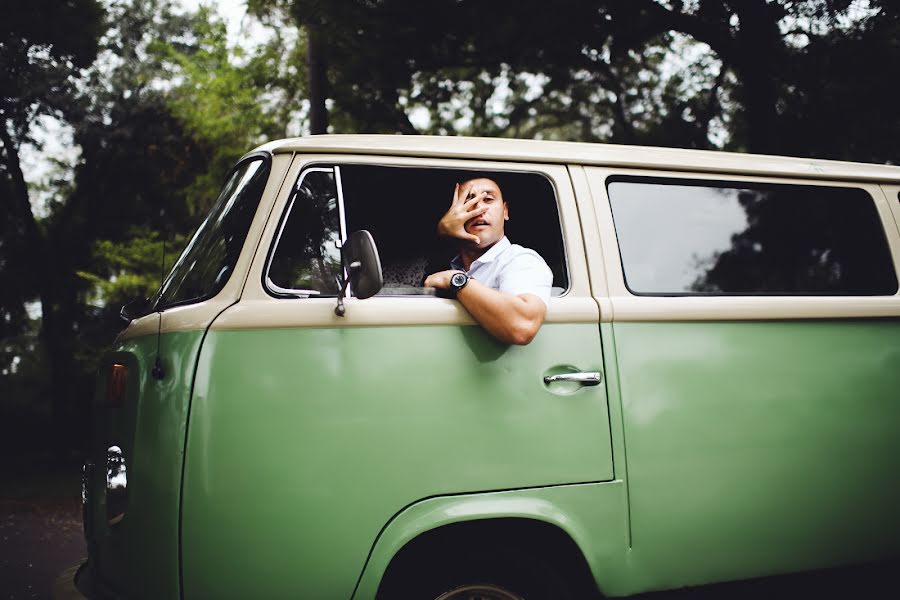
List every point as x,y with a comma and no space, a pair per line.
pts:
511,319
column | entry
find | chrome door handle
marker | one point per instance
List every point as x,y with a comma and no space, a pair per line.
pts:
587,378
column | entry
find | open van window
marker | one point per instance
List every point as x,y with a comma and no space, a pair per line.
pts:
400,207
207,262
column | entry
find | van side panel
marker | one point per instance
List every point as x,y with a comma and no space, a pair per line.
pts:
760,447
140,554
305,442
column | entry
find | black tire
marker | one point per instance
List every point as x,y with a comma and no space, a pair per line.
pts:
498,573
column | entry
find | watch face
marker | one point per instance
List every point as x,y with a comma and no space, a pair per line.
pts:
458,280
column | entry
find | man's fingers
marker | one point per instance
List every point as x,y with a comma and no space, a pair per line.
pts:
477,212
472,201
456,197
464,193
471,238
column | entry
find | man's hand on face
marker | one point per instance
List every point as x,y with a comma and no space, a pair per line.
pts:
453,223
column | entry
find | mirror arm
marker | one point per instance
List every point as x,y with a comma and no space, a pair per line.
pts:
353,268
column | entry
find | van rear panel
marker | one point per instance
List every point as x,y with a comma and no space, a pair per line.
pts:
138,556
777,439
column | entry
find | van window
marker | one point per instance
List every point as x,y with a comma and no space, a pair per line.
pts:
400,207
209,258
309,258
681,237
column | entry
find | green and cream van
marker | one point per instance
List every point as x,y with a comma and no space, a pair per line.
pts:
714,395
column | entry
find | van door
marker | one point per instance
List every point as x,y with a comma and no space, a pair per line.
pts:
310,431
757,335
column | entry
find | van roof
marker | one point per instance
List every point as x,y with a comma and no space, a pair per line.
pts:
608,155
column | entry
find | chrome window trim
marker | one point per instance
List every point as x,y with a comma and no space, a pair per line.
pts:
343,220
340,199
271,286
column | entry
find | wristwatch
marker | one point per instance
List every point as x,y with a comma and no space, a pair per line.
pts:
457,282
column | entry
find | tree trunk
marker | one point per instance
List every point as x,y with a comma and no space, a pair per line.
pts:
761,52
755,53
318,81
56,322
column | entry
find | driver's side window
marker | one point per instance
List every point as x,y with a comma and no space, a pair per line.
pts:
400,207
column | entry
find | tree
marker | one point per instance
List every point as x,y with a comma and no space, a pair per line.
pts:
840,104
38,62
597,66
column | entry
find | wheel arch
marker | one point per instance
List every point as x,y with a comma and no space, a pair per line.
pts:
456,517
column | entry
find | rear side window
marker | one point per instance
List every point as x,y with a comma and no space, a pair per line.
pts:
680,237
209,258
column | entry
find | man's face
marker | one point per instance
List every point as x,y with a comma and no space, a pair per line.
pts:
489,226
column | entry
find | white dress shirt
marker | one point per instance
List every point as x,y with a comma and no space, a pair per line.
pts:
510,268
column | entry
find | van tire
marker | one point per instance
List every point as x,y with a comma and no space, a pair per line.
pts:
496,573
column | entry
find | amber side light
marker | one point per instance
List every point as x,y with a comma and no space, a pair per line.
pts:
115,385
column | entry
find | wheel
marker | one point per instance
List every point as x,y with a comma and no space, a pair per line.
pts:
479,591
480,574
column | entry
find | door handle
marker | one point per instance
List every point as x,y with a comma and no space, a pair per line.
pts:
585,378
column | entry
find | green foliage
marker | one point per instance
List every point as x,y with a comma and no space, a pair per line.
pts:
216,100
130,269
229,98
162,105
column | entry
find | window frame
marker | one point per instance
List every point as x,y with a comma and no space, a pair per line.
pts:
275,291
734,183
266,173
270,286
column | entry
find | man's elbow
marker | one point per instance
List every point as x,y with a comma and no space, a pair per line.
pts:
523,332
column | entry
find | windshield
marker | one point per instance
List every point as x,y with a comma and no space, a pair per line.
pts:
209,259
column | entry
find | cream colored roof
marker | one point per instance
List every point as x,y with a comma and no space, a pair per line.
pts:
610,155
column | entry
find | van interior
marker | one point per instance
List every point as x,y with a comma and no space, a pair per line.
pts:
401,206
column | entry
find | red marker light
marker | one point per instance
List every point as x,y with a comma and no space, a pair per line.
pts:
115,385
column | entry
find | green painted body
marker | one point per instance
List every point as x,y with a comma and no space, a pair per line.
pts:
726,450
139,556
305,443
759,447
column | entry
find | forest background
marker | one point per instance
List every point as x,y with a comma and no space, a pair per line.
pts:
121,118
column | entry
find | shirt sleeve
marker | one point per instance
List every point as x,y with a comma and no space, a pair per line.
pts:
527,273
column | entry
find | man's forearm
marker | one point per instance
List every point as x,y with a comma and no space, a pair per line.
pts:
510,319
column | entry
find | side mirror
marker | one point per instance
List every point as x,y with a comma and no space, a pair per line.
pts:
134,310
362,267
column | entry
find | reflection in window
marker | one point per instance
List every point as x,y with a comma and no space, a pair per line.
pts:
308,256
691,237
209,259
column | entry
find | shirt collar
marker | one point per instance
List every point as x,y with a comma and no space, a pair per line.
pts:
487,257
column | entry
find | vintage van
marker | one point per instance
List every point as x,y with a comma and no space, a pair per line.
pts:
714,395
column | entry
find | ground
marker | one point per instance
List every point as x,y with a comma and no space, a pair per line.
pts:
40,527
